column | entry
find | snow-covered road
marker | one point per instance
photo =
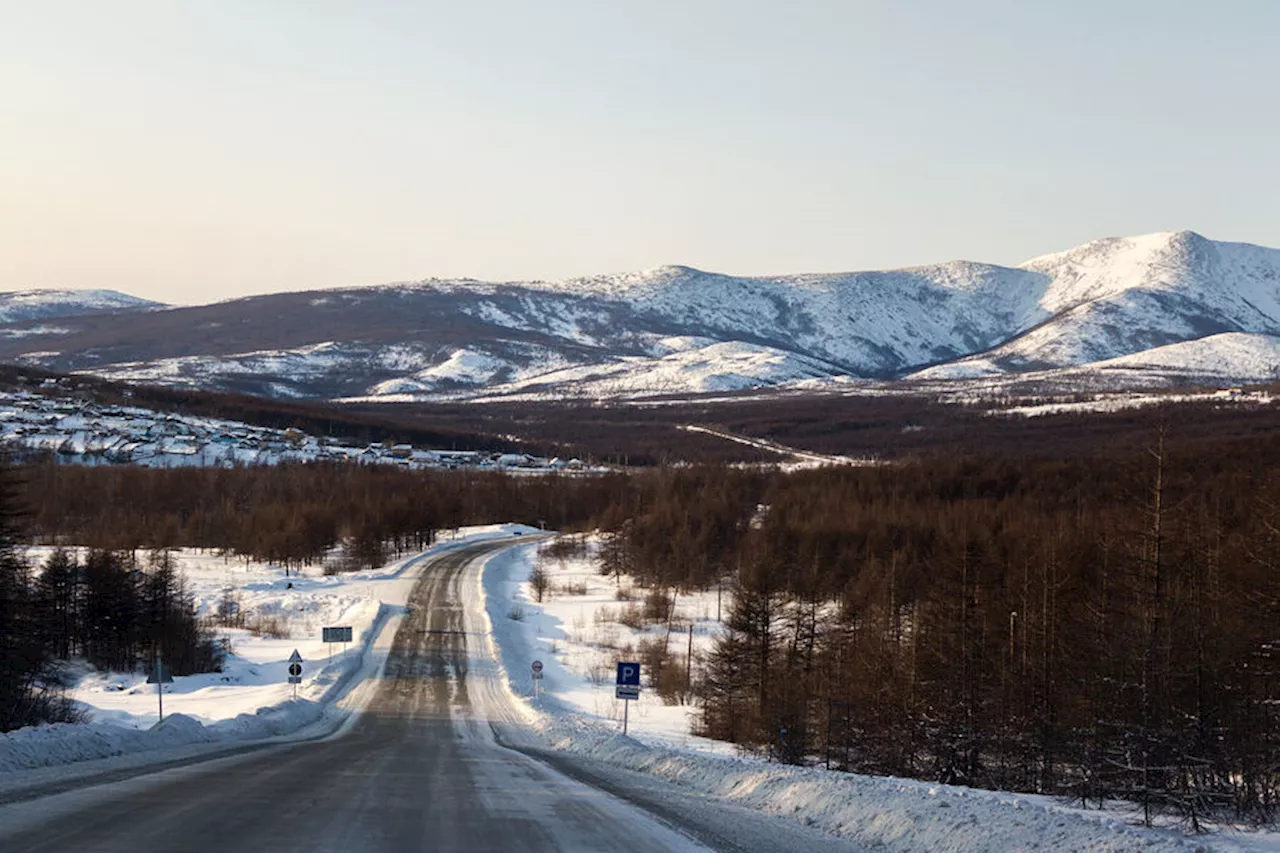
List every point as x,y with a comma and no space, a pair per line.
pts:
427,766
801,458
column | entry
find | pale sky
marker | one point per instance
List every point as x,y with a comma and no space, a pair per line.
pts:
192,151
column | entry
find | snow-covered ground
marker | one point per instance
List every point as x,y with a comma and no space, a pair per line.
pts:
585,624
280,614
251,698
575,633
1120,402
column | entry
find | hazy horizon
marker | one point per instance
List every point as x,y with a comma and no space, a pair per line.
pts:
191,153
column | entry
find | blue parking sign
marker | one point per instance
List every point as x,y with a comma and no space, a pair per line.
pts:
629,673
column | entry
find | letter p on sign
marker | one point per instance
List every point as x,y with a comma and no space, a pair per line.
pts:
629,673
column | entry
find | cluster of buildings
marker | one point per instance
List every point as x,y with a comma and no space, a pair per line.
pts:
83,432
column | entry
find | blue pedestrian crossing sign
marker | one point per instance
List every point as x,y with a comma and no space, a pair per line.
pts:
629,674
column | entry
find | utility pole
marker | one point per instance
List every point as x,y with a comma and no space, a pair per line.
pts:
688,685
1013,619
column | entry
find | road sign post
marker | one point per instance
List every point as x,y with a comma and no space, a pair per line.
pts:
338,634
295,671
536,666
627,688
159,676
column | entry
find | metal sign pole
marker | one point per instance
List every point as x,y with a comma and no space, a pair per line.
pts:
159,675
626,707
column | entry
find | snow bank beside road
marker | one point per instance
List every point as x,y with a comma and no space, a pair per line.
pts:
66,743
881,813
887,814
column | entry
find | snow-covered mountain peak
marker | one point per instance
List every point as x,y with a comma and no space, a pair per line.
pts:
1237,279
670,272
1183,263
626,285
45,304
95,297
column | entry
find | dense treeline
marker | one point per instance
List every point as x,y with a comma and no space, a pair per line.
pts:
109,608
292,515
27,693
1097,629
118,612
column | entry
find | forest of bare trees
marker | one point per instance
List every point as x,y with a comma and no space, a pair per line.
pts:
292,515
1095,629
1098,628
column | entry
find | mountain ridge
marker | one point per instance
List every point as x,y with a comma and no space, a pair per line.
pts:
677,329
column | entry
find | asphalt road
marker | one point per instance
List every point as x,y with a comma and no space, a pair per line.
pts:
421,770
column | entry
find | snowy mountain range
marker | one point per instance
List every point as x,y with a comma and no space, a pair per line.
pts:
1156,310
